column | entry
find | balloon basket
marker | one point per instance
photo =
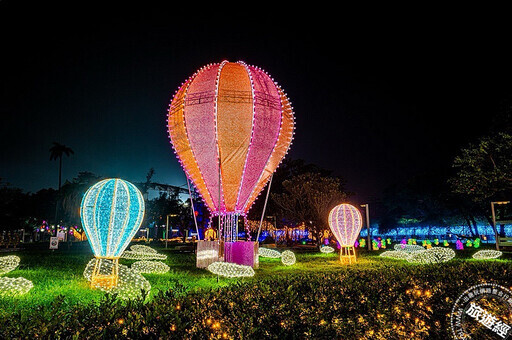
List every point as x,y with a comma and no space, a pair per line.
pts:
347,255
242,252
208,252
100,279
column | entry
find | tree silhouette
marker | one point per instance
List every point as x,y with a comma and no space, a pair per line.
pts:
56,152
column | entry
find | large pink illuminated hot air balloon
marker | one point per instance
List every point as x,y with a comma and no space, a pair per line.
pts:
230,125
346,221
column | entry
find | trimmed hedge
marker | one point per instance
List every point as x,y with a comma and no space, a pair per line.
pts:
392,302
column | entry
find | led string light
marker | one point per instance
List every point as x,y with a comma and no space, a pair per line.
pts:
266,252
487,254
395,254
8,263
141,252
130,284
231,270
14,286
432,255
409,248
326,249
150,267
111,211
288,258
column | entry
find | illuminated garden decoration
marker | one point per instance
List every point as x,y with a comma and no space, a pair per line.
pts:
111,213
8,263
346,221
227,269
327,249
12,286
487,254
230,126
266,252
288,258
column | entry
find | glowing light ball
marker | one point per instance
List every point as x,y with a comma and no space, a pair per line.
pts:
288,258
228,269
111,212
346,221
487,254
230,126
8,263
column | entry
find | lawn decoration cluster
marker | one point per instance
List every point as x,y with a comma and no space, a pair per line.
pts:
487,254
8,263
150,267
131,284
228,269
142,252
326,249
288,258
420,255
368,301
271,253
12,286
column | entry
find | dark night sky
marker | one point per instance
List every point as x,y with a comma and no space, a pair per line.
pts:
377,98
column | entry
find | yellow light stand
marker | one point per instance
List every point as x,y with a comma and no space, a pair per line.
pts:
347,254
104,280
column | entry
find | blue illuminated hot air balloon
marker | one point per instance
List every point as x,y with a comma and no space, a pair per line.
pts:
111,211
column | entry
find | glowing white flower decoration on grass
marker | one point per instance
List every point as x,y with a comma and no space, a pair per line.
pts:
266,252
288,258
228,269
130,283
327,249
150,267
487,254
408,247
140,248
396,255
141,252
8,263
432,255
14,286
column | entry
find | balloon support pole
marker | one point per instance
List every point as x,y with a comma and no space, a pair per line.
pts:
105,281
347,255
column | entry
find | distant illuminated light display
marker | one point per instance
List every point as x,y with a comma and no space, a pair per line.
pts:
111,211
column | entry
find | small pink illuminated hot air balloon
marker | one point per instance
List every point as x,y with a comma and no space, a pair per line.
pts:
346,221
230,126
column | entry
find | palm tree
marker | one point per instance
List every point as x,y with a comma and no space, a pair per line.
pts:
56,152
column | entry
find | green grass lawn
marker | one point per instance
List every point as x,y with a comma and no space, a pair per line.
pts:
376,298
60,272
